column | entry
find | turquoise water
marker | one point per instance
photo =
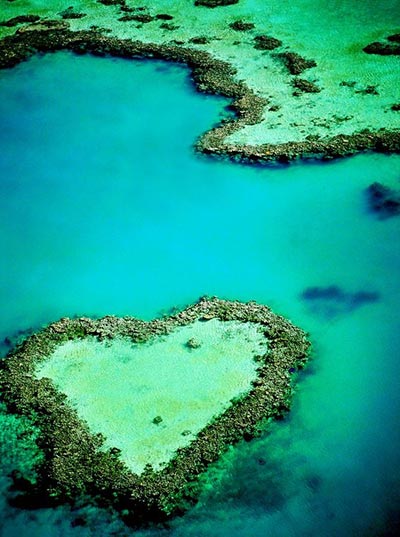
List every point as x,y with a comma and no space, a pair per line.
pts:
106,209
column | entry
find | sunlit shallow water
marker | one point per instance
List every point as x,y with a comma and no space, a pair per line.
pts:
106,209
149,399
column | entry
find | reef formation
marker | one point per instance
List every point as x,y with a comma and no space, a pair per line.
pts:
287,106
210,75
75,463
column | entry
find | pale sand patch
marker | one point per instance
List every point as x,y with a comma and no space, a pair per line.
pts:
119,388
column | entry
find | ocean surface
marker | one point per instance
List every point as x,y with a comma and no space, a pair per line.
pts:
106,209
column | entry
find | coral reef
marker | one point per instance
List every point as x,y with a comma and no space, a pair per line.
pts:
74,462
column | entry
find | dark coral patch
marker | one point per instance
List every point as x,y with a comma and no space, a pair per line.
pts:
242,26
138,17
390,47
305,86
215,3
295,63
266,42
21,19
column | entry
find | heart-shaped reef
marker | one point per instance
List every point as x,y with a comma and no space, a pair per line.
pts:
131,412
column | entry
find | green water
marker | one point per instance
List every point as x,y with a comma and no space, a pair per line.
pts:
106,209
120,389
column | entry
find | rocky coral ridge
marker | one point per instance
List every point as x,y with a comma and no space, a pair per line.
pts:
210,75
74,463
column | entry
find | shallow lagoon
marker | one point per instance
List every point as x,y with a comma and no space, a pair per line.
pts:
106,209
149,399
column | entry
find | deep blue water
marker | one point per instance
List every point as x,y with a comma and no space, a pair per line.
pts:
105,208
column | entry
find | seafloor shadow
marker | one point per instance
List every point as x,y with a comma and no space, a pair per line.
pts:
331,302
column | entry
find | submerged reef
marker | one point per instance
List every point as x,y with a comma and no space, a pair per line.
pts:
75,462
332,301
210,75
383,201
